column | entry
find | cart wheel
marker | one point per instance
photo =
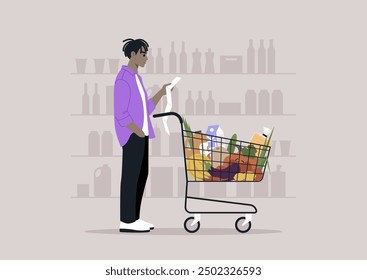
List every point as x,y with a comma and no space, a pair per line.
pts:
241,228
189,228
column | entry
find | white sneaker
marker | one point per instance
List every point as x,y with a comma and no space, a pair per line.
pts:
137,226
151,226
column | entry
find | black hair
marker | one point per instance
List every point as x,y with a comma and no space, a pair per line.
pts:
132,45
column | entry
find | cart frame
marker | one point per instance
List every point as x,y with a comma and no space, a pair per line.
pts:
242,227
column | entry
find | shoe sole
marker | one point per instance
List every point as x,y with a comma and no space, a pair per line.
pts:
132,230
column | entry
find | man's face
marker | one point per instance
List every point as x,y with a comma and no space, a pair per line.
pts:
140,58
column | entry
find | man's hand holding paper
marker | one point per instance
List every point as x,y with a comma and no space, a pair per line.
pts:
169,101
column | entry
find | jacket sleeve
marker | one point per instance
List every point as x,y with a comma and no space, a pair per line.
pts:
150,106
122,94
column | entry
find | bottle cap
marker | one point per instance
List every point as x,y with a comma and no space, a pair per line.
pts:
266,131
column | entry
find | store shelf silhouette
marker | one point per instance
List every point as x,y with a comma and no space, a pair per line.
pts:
168,178
260,59
260,104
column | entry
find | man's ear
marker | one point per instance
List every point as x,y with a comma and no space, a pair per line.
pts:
133,53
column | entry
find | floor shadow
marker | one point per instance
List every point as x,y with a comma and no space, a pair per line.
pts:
182,231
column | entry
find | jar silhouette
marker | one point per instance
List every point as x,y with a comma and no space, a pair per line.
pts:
250,102
93,144
107,143
277,102
264,102
102,181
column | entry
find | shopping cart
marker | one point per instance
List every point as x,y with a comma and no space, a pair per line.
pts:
211,158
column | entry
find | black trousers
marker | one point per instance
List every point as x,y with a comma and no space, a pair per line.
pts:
133,178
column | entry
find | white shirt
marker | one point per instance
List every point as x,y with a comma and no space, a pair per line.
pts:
142,95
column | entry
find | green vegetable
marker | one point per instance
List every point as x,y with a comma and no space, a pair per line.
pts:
232,143
249,151
207,165
188,133
262,159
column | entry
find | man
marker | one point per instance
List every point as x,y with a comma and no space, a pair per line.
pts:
133,128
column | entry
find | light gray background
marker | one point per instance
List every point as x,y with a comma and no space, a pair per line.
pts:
323,42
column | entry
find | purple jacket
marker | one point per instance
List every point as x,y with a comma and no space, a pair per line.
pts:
128,105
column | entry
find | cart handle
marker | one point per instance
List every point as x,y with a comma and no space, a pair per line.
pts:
168,114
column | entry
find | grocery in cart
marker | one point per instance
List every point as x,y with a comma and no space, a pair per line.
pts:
210,158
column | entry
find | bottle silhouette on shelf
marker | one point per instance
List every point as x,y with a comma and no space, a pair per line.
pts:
199,104
261,58
264,102
277,102
85,101
271,58
109,100
172,60
209,62
93,144
210,104
159,62
251,58
102,181
250,102
150,62
189,105
196,64
183,59
96,101
156,144
278,183
107,143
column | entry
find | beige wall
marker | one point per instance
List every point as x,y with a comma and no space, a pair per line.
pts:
322,42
